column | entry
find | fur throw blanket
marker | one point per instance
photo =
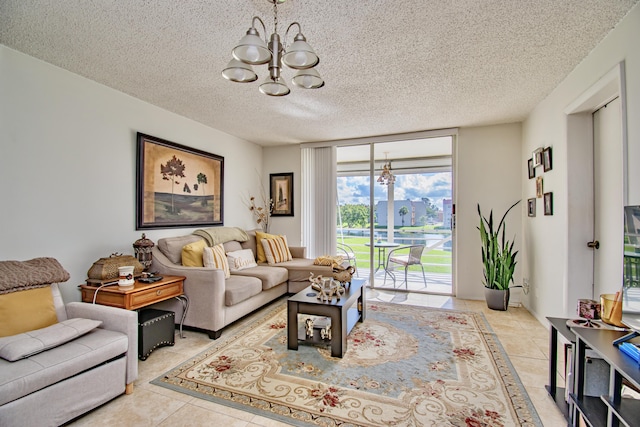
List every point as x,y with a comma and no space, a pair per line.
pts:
35,273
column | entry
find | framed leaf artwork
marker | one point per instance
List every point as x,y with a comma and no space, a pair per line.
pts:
177,186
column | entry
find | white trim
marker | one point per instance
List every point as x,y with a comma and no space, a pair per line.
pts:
606,89
383,138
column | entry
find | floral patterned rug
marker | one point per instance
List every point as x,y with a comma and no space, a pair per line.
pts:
405,366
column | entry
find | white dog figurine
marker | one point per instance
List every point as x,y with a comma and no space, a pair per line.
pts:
308,326
325,333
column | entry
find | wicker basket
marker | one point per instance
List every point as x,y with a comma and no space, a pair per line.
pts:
107,268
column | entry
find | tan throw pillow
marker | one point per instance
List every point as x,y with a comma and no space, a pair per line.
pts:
276,250
259,237
239,260
192,254
215,257
25,311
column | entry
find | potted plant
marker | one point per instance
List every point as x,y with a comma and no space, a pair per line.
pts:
498,259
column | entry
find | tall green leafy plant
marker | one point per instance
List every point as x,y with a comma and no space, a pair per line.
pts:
498,256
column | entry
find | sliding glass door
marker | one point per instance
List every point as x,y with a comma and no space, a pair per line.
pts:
401,215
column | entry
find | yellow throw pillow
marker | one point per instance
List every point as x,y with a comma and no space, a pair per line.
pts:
25,311
259,237
192,254
276,250
215,257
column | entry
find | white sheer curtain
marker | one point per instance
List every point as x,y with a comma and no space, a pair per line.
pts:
319,200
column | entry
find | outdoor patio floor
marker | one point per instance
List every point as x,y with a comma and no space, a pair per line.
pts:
437,283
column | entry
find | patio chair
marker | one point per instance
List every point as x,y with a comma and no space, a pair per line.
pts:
348,253
404,259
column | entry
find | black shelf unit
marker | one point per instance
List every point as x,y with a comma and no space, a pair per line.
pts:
558,326
611,410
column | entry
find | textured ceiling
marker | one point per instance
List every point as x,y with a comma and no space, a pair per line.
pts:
389,66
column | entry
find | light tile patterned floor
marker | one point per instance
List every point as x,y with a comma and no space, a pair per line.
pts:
525,340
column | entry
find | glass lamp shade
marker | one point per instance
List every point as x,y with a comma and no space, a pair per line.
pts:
238,71
300,56
274,87
252,50
308,79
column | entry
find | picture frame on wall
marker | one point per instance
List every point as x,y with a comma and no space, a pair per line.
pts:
281,193
537,157
531,207
548,203
546,159
177,186
539,187
532,170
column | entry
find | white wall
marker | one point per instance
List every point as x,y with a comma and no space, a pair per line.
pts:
557,279
68,165
284,159
488,171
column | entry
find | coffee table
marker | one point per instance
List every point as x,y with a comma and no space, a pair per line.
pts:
344,315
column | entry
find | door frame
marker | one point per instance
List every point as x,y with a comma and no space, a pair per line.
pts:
579,123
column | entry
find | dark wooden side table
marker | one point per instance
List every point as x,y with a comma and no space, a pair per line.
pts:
344,314
141,295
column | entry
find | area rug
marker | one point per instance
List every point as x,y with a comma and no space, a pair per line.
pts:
405,366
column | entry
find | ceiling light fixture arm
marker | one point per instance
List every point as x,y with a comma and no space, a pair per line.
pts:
255,32
298,36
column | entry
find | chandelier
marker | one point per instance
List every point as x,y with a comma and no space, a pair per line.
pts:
252,50
386,177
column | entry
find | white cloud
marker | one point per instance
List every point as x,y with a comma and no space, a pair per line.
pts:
435,186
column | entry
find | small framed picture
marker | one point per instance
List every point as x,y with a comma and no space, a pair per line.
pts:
531,207
546,159
537,157
532,170
548,203
281,191
539,187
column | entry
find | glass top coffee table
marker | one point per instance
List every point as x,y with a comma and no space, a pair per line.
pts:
344,315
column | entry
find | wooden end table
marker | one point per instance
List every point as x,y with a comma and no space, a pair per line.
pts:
344,314
141,295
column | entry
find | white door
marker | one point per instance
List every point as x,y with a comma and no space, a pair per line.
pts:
608,189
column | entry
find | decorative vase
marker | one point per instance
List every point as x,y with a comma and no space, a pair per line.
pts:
497,299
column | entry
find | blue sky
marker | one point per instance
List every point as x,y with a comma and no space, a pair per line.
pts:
435,186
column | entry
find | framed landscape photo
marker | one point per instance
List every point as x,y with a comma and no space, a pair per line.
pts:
177,186
281,193
532,170
546,159
548,203
531,207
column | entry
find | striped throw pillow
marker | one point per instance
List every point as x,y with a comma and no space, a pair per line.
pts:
276,250
215,257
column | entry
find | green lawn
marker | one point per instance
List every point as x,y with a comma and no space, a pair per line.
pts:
434,261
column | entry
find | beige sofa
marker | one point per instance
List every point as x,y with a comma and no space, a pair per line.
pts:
215,302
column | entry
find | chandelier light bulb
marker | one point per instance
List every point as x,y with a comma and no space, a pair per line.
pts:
252,53
308,79
238,71
274,87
